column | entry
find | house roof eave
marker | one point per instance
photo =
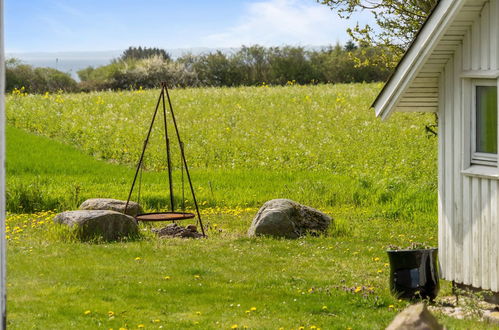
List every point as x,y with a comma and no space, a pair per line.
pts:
415,57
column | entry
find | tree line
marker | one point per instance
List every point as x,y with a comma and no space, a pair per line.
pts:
253,65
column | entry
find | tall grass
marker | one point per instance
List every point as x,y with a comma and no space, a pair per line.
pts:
320,145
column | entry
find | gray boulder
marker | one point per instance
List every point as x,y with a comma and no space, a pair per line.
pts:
89,224
111,204
415,317
286,218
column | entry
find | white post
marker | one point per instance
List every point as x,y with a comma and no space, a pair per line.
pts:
3,251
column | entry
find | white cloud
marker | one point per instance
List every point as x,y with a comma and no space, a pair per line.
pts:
284,22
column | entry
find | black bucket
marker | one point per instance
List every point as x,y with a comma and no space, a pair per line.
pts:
414,273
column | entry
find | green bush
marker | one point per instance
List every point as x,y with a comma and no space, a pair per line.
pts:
37,80
149,73
249,66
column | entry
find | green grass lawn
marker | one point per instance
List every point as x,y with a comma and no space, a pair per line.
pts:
319,145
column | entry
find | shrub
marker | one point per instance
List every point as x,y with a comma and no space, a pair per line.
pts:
37,80
149,73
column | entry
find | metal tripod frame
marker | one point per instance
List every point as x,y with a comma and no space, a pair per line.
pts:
161,100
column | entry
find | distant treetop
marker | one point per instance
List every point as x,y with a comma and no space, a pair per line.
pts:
138,53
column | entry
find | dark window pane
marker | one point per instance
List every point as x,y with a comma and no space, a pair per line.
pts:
486,119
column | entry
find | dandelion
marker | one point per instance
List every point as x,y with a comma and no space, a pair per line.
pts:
358,289
310,290
234,326
87,312
253,309
197,277
386,264
376,259
313,327
324,308
156,321
248,311
198,313
167,277
301,328
380,271
391,306
137,258
110,313
141,326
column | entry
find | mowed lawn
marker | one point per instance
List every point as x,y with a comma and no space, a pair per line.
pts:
319,145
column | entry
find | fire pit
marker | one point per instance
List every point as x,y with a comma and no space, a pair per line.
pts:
172,215
175,231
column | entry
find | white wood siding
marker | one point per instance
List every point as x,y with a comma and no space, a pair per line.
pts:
459,43
422,94
468,204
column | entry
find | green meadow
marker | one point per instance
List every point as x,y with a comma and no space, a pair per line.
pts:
319,145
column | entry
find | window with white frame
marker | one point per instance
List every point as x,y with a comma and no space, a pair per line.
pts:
484,122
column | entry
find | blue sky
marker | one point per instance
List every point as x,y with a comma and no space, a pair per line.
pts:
91,25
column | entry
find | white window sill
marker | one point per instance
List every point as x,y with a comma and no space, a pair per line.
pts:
482,171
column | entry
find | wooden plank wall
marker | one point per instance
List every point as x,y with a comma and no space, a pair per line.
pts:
468,205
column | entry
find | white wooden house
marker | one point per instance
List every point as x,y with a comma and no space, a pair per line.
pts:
452,68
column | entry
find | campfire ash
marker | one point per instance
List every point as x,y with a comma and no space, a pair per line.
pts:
174,230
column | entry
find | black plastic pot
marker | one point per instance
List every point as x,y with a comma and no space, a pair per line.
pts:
414,273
